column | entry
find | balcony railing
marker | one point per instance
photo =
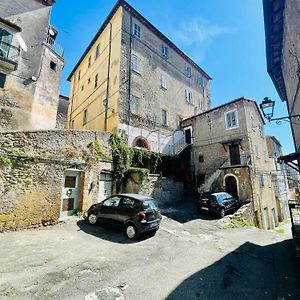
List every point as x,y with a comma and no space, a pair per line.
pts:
9,54
57,48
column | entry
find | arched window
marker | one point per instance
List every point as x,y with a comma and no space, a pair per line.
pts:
141,142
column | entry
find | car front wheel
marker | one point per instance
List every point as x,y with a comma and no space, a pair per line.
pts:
222,213
131,231
92,218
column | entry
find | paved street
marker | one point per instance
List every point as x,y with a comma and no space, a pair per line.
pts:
190,257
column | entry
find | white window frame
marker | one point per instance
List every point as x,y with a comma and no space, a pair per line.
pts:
164,81
134,103
230,126
137,30
164,121
136,64
189,97
261,180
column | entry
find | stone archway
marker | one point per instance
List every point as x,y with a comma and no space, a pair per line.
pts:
231,185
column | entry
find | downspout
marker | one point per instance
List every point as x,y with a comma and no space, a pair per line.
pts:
108,79
129,69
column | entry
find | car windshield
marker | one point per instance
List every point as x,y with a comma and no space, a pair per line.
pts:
149,204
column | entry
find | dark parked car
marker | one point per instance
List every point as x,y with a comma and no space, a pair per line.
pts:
133,213
218,203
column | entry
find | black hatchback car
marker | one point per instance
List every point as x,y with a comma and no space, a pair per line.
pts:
218,203
133,213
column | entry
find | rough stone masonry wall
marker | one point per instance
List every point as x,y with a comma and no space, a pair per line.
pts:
165,190
32,166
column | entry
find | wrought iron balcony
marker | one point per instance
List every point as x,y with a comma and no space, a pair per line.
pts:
57,48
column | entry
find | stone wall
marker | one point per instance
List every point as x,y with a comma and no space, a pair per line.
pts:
32,166
165,190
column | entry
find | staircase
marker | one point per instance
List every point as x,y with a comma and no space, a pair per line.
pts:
205,187
179,146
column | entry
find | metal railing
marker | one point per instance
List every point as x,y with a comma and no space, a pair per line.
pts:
9,52
56,47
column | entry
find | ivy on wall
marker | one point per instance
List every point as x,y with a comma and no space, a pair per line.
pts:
126,159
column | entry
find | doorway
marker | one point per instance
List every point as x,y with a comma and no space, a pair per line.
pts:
70,193
105,186
231,186
235,158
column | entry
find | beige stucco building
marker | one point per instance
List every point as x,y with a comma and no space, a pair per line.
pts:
229,152
133,80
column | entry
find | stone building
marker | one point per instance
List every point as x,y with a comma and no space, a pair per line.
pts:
229,152
282,27
279,178
30,65
48,175
133,80
62,112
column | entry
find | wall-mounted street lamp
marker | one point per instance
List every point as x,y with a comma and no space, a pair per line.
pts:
267,108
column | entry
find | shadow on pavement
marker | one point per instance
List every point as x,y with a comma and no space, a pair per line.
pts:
185,210
110,234
249,272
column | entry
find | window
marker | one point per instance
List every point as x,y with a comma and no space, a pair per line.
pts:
82,87
90,61
163,81
256,151
113,201
201,82
72,124
136,64
70,181
137,30
188,70
79,75
134,104
261,181
261,130
5,42
201,158
96,80
164,115
164,51
231,119
89,80
53,65
85,117
189,96
265,155
2,80
129,203
201,104
97,51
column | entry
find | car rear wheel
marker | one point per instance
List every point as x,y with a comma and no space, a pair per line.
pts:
222,213
92,218
131,231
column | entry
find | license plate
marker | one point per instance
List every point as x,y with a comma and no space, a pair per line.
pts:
153,224
204,208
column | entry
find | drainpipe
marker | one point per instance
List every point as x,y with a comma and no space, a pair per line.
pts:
108,79
129,68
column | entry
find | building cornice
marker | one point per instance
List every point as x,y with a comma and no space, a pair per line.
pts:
274,31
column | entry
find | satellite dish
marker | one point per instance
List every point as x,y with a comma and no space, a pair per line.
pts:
51,32
21,42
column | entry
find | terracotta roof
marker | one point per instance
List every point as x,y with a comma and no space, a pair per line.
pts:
145,22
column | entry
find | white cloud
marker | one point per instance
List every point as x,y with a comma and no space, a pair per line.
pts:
197,33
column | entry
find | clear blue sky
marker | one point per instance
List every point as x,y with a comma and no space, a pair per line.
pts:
226,38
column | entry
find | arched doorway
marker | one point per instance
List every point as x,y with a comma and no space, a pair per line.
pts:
231,186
